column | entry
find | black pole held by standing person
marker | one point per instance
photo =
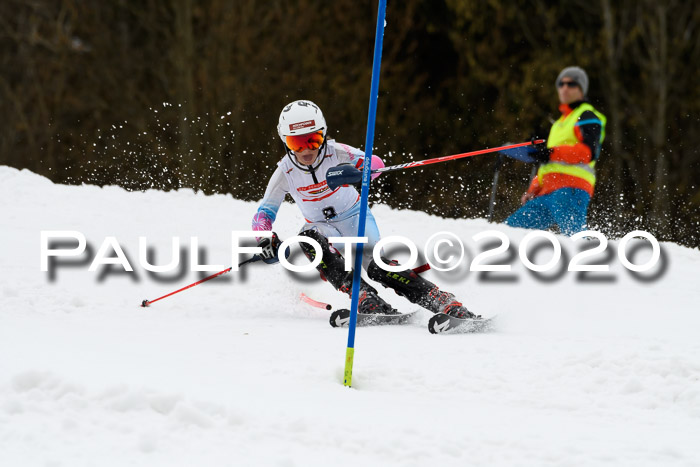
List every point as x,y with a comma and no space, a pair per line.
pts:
496,172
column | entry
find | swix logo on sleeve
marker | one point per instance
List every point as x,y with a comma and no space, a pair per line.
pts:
300,125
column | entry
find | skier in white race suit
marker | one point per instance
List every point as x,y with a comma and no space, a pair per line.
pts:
335,213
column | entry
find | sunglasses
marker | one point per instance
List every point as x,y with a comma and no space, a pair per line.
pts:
571,84
300,143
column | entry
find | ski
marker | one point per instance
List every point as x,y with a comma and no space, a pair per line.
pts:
341,318
442,323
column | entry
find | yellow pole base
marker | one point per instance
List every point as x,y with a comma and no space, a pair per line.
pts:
349,357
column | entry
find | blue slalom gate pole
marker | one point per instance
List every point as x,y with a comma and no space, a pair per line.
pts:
366,177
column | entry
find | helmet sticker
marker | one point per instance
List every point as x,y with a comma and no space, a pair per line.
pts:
300,125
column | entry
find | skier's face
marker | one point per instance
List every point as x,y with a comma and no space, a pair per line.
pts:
569,91
307,156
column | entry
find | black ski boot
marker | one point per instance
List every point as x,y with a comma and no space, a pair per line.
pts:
418,290
370,303
332,269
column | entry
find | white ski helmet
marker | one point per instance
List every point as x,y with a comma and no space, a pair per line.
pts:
299,118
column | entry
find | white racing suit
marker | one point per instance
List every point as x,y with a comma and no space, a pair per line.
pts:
333,213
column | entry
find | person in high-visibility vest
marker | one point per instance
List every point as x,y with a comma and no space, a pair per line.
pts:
562,189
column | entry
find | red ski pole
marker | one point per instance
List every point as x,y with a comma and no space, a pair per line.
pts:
305,298
147,303
349,175
410,165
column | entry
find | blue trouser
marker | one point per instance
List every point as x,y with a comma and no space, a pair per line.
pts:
565,207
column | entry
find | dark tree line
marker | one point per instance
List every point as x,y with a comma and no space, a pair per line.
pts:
186,93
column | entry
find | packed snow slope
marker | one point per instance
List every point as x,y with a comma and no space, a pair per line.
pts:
595,370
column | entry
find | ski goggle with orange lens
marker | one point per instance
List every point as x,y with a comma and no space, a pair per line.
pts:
300,143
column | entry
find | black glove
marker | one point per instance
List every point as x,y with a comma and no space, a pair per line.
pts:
270,246
541,151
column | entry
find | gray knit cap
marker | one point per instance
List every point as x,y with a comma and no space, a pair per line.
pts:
577,74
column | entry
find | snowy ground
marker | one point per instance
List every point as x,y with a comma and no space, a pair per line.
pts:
238,372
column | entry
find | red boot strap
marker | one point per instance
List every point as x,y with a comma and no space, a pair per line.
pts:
451,305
